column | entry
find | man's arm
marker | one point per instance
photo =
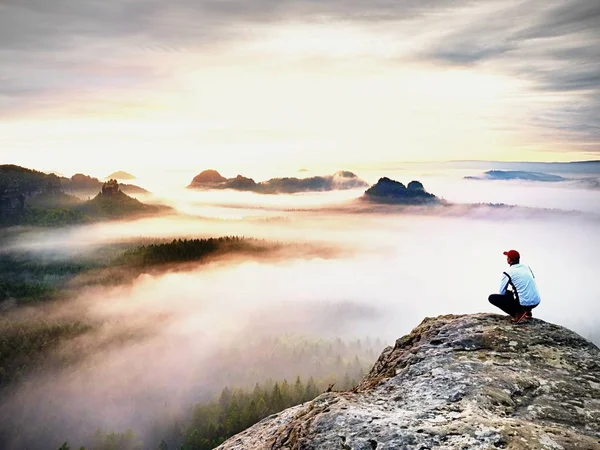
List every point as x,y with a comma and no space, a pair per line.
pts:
504,284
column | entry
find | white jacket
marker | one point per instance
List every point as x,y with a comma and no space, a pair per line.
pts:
520,277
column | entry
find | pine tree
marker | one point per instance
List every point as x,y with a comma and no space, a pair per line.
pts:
298,391
311,391
286,394
233,420
225,398
262,410
193,440
276,400
250,415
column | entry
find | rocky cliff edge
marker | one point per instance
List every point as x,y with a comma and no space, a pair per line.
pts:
455,382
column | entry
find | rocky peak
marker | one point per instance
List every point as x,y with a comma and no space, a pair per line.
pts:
110,188
391,191
416,186
455,382
208,176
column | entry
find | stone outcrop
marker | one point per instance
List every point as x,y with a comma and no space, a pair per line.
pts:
111,187
389,191
455,382
208,177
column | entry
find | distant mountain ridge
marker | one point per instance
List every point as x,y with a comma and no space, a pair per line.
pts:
342,180
573,167
30,181
517,175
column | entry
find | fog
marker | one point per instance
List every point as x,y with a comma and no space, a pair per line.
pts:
158,343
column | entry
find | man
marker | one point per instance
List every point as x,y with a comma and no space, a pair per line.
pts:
523,296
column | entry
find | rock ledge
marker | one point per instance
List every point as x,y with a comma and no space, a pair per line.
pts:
455,382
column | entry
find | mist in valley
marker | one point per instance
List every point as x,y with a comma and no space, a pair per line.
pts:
165,340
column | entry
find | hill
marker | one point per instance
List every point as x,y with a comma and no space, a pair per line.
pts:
455,382
207,177
31,182
211,179
112,203
27,181
389,191
517,175
120,175
53,200
30,197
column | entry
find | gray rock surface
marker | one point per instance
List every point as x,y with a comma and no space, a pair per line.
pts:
455,382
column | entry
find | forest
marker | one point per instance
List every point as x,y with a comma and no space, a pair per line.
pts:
28,278
233,411
272,373
240,404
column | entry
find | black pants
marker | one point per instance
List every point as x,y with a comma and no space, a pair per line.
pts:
509,304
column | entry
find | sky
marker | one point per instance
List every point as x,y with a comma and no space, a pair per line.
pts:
97,86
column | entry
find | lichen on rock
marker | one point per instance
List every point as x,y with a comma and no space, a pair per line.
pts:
455,382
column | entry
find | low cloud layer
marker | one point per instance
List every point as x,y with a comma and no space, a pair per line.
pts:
159,343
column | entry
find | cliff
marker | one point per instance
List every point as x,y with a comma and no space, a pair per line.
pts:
455,382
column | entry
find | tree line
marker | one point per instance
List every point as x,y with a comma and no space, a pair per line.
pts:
233,411
183,250
27,278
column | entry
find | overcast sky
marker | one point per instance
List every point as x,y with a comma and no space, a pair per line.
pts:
125,84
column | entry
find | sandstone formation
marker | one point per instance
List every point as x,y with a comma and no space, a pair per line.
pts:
208,177
393,192
455,382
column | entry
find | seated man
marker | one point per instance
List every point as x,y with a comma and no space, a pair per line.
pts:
524,296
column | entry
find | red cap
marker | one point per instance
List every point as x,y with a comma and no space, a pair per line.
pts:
513,254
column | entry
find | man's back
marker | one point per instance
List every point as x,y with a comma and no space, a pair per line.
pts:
522,280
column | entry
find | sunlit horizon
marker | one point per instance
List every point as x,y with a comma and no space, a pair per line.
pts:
247,87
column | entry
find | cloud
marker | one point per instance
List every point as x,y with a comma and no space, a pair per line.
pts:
166,340
552,45
50,49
